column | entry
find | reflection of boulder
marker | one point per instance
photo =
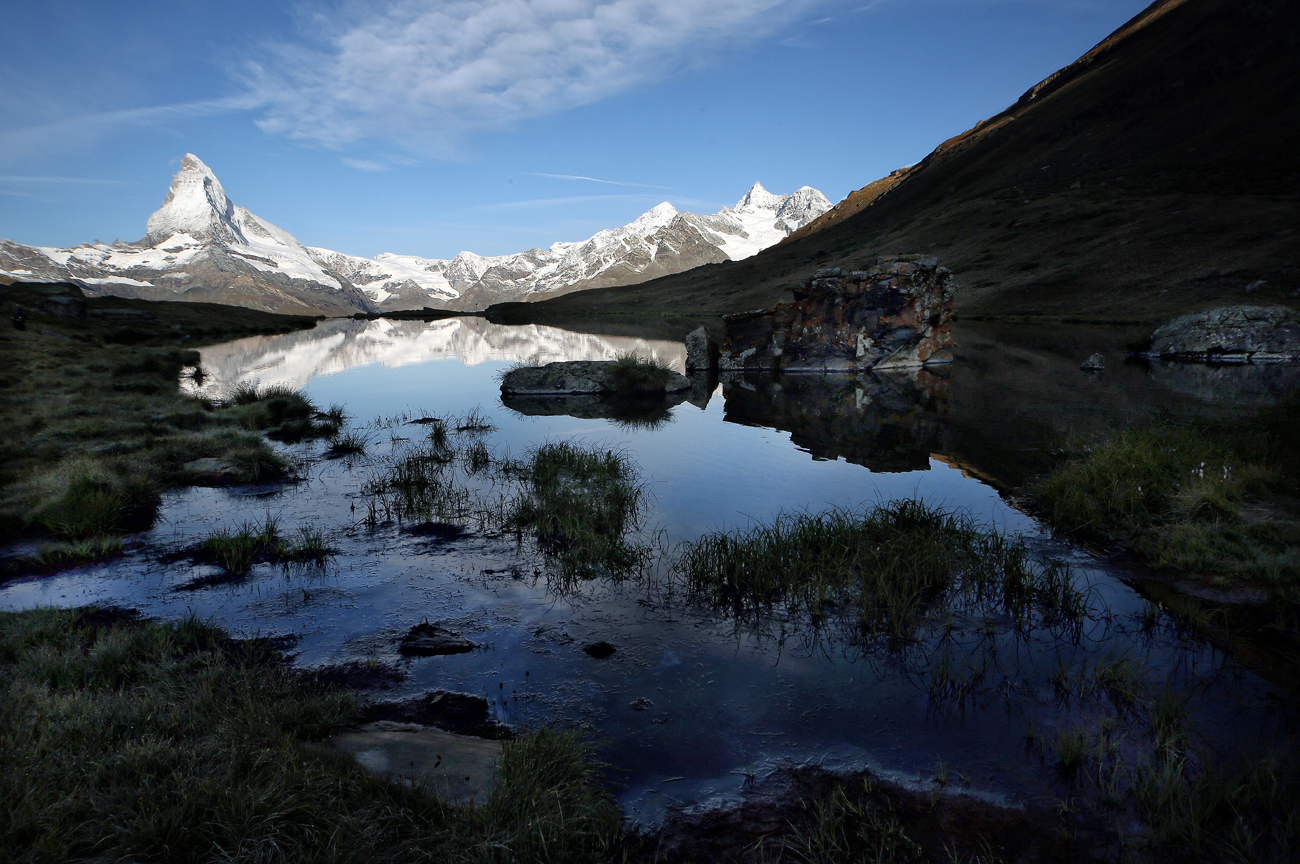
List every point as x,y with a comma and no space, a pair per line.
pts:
896,314
886,421
1241,386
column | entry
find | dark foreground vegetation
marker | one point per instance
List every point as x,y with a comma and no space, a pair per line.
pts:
1208,501
130,740
93,426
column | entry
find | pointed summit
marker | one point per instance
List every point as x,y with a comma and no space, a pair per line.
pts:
195,205
653,219
758,198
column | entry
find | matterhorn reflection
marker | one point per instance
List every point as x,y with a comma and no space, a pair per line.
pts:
338,344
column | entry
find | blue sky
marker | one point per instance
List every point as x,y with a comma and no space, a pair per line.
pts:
426,127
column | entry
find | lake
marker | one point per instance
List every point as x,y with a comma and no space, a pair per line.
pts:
697,701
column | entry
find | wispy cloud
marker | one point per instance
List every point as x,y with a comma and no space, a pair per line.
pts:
594,180
426,72
365,164
71,133
17,178
538,203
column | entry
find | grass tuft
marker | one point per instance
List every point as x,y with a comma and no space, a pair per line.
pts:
888,567
632,374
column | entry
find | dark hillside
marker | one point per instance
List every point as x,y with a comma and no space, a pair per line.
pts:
1157,174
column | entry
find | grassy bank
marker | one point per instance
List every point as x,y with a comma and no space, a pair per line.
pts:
130,740
93,426
1213,501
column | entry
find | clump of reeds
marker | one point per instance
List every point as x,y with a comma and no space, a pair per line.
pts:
237,550
283,413
580,503
634,375
142,741
350,443
887,566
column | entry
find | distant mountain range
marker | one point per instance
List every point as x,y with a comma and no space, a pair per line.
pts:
201,246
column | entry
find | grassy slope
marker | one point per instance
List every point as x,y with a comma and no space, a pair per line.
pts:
1154,176
93,406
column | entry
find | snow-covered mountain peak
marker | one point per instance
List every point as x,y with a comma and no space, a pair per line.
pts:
653,219
758,198
195,205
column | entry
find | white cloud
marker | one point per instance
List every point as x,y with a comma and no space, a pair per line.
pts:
424,72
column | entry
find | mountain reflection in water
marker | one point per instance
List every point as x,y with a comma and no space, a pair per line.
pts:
339,344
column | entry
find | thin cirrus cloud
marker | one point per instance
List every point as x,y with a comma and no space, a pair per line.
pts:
424,73
594,180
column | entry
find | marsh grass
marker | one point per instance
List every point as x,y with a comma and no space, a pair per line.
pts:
1185,497
581,503
282,413
888,567
1169,796
350,443
141,741
842,829
236,550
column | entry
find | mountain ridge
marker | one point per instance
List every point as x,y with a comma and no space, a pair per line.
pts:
200,245
1153,176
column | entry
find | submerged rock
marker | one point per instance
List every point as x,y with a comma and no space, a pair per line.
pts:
896,314
574,378
1230,334
600,650
462,713
1095,363
427,640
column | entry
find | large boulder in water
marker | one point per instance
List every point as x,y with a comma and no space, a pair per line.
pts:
583,377
893,314
1230,334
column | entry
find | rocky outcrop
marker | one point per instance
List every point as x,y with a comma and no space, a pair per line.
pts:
1230,334
575,378
895,314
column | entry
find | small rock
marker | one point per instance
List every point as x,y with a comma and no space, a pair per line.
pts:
599,650
641,703
1095,363
427,640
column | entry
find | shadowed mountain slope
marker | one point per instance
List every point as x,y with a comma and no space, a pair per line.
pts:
1157,174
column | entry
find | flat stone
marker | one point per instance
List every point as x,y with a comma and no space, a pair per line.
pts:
458,768
211,471
427,640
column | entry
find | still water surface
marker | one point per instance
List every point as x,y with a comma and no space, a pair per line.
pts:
718,700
